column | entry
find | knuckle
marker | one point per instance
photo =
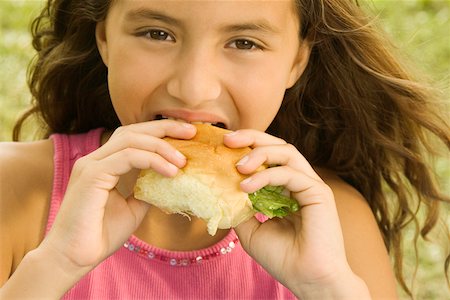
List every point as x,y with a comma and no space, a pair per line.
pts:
127,139
161,148
281,141
84,167
80,164
326,188
291,147
158,144
128,153
119,130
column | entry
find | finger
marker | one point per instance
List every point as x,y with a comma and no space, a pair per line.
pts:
125,160
282,154
124,215
148,136
143,142
106,172
139,209
246,229
304,188
250,138
160,129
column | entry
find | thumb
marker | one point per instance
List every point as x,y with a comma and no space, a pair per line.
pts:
245,231
138,208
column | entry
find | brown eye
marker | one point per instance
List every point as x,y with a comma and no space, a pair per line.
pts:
244,44
159,35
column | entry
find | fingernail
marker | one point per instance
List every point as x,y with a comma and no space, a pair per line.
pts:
187,125
179,155
231,133
172,168
243,161
245,181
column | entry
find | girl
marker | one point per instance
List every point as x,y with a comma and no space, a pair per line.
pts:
309,85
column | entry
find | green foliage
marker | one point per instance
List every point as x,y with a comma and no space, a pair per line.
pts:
15,53
421,30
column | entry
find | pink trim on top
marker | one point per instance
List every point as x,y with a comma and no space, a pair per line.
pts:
183,258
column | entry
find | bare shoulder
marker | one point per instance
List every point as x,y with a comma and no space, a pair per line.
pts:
346,195
25,167
26,174
364,245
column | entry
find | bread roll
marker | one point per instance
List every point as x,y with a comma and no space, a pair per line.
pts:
207,187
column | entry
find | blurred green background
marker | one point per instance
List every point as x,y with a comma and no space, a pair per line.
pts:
420,30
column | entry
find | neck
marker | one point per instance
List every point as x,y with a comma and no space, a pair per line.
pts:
176,232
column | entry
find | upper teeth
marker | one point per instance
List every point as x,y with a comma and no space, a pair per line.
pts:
184,121
218,124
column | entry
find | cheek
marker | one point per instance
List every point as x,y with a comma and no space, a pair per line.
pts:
258,101
124,93
130,80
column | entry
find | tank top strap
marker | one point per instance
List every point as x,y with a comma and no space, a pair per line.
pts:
67,149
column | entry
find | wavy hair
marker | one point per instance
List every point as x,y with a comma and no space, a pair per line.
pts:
355,109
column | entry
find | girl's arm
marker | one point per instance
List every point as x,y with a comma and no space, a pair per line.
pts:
331,247
95,219
42,274
25,186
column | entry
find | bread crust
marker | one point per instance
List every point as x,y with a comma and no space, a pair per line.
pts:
207,187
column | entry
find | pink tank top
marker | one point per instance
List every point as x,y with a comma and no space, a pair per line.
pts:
140,271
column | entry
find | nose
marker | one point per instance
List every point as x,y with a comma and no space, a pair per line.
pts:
195,78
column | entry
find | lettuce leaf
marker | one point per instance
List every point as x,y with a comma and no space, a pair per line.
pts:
271,202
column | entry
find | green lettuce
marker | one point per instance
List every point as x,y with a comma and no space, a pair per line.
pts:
271,202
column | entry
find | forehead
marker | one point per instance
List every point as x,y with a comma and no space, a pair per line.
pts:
276,12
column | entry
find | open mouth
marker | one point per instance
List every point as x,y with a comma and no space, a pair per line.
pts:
218,124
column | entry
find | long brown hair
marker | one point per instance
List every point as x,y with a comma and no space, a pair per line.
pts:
358,111
355,109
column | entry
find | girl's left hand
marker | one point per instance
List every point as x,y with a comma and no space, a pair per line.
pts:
306,248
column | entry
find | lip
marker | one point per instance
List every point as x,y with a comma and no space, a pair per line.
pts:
192,116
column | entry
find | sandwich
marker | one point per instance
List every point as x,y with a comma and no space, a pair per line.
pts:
208,185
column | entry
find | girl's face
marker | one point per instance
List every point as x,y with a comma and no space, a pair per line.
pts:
210,61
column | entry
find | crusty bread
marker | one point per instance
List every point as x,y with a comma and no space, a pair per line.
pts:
207,187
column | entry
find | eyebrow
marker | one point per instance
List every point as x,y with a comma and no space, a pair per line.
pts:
259,25
149,14
145,14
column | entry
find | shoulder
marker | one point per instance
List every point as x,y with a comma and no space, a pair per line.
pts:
346,196
357,220
26,175
25,165
364,245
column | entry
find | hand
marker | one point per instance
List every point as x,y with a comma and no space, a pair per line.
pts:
305,248
95,219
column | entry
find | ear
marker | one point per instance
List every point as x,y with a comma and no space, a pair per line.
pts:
100,38
300,63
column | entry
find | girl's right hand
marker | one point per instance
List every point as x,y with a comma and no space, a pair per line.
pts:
95,219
